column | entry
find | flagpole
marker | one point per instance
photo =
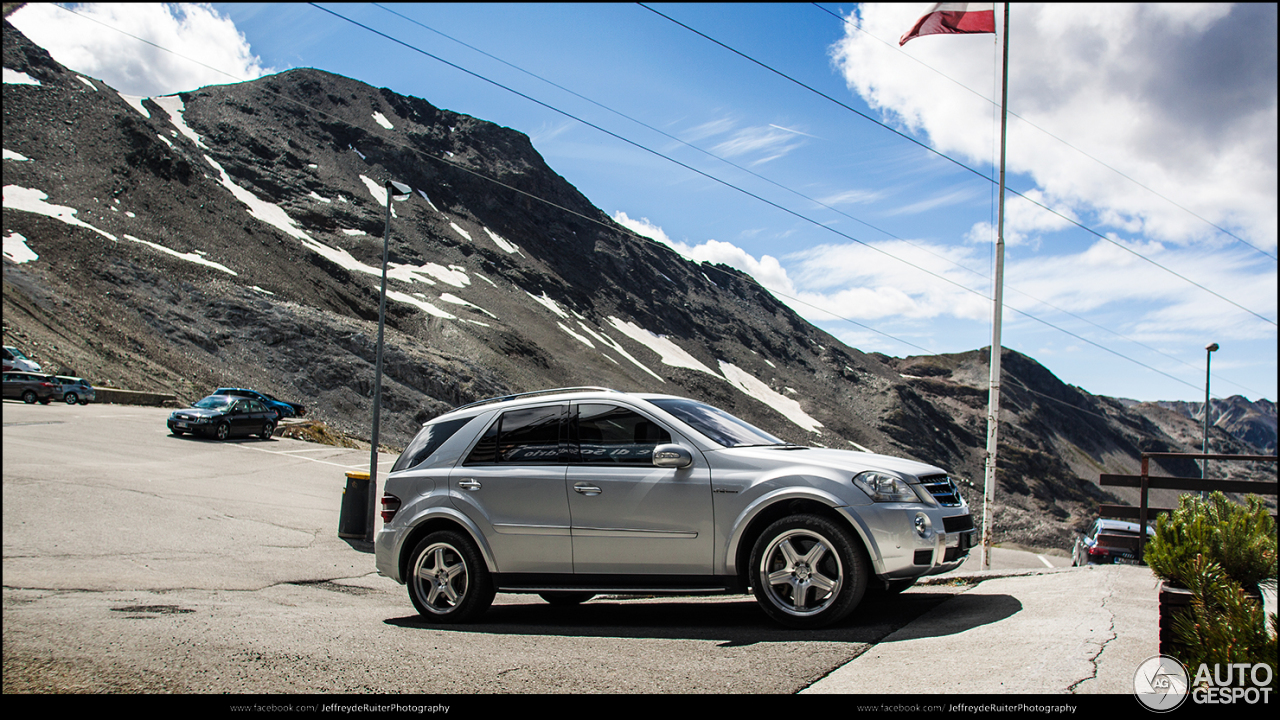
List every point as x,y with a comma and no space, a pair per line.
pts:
993,401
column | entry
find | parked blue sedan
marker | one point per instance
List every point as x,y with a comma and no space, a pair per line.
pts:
283,409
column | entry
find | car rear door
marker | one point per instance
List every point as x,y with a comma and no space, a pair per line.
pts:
511,485
628,516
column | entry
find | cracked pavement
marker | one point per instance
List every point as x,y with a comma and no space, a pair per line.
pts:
1065,630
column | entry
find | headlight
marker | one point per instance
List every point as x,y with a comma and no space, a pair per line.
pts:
883,487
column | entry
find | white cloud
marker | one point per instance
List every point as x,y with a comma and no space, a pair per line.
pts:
754,145
1181,98
218,52
766,270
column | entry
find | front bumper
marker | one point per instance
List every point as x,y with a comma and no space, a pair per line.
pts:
900,552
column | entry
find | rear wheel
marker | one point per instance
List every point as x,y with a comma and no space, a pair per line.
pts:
29,397
70,398
268,428
808,572
448,581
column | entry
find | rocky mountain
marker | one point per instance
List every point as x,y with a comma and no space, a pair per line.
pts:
233,235
1253,423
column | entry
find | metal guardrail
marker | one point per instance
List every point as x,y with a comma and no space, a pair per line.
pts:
1146,482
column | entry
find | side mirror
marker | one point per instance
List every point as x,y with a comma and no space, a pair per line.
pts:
672,456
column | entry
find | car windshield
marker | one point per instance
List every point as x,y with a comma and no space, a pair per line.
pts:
213,402
716,424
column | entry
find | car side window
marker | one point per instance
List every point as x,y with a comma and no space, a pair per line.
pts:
525,436
613,435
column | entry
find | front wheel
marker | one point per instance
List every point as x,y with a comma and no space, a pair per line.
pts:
808,572
70,398
222,432
29,397
448,581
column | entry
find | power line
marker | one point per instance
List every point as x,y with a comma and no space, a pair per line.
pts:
950,159
790,190
730,185
614,227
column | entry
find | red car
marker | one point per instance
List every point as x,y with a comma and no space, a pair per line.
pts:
1109,542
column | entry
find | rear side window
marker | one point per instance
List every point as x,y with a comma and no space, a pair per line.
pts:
526,436
612,435
428,440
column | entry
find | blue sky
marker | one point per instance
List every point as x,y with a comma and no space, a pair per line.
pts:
1153,127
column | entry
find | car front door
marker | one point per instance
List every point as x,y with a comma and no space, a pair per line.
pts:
628,516
511,484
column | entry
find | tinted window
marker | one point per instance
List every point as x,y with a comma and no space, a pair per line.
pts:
428,440
717,424
612,435
521,436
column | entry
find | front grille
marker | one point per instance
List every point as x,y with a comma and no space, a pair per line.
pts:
958,523
943,490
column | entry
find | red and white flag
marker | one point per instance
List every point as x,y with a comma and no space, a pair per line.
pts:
951,17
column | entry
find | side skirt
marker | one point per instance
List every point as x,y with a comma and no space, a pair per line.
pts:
619,584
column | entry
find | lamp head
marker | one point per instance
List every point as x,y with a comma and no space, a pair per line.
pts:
1211,347
398,191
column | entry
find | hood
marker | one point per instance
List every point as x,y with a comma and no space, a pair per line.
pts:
841,460
198,412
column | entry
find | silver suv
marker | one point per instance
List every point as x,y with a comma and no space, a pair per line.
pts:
574,492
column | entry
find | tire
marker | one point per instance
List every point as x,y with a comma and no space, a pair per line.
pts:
448,581
808,572
29,397
562,599
70,398
222,431
268,428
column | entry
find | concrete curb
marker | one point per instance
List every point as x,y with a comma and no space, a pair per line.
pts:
133,397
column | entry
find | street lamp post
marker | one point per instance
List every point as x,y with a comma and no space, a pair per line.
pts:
395,191
1204,448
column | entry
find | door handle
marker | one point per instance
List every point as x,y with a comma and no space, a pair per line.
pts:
469,484
585,489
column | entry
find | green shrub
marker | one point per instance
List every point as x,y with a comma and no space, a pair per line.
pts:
1240,539
1224,625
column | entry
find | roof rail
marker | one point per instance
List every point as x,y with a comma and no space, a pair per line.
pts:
553,391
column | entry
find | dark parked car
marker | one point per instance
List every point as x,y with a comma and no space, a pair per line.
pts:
75,390
1108,542
283,409
30,386
222,416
